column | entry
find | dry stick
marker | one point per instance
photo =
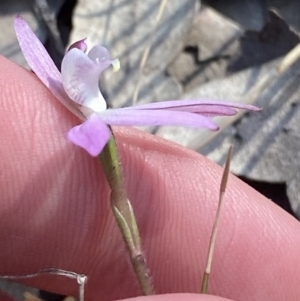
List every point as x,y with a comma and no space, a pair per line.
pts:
30,297
213,237
124,215
289,59
147,50
286,63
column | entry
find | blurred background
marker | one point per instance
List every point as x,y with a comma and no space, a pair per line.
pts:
196,49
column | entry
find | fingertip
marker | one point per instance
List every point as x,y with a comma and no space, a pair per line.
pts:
179,297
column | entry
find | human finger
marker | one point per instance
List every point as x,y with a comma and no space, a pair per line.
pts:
55,210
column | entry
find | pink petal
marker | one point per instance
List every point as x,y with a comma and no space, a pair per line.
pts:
41,63
207,110
80,76
92,135
194,105
128,117
81,45
211,110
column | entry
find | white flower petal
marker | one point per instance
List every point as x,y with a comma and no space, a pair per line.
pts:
80,77
99,54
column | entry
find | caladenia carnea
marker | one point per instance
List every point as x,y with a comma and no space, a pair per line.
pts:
77,88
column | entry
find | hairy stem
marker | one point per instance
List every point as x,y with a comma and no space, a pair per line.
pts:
124,215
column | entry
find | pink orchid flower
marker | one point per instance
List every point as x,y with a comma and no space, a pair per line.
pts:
77,87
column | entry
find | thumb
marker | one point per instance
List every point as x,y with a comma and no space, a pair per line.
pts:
179,297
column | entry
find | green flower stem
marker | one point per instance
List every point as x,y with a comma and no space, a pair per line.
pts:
124,215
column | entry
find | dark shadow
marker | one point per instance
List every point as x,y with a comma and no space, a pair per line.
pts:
64,20
47,296
274,191
14,7
258,48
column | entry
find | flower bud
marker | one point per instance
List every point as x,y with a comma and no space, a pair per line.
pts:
81,45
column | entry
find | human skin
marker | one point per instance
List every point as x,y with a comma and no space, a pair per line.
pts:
55,211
